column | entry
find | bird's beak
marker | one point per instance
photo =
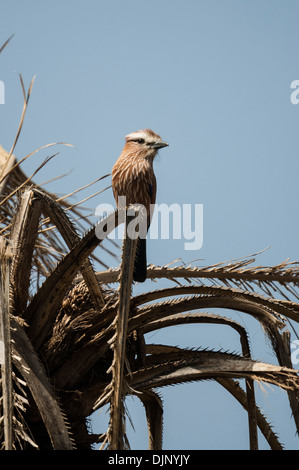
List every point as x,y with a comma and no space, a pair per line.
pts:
159,145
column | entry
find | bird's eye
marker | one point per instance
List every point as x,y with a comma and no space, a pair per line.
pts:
140,141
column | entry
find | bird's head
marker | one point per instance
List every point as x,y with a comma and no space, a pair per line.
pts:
144,143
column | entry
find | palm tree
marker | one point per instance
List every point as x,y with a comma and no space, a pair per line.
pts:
73,340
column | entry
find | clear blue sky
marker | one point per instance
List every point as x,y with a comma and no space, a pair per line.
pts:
212,77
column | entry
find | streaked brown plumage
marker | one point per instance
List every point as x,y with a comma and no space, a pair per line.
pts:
133,177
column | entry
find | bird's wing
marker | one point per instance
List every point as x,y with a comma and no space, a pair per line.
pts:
153,190
152,194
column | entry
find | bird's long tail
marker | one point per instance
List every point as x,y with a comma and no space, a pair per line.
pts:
139,274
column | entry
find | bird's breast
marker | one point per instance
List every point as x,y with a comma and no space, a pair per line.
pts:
135,179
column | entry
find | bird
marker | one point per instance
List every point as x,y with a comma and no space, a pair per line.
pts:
133,177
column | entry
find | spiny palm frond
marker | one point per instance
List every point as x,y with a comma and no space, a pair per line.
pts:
187,366
5,345
78,344
5,43
50,246
281,279
118,387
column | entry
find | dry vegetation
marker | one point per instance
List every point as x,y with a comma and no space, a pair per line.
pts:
74,339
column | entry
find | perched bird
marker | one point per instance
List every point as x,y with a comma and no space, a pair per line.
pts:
133,177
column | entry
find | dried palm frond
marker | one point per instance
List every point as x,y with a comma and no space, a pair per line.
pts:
74,344
5,43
